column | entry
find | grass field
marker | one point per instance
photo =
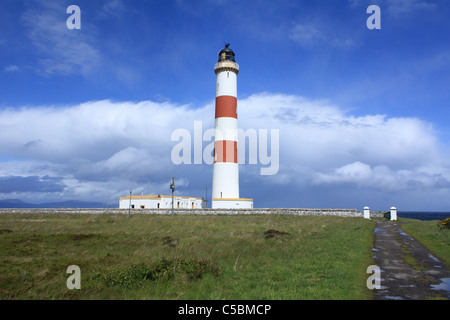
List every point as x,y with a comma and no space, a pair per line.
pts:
436,239
185,257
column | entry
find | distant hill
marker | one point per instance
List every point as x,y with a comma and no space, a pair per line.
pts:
76,204
15,203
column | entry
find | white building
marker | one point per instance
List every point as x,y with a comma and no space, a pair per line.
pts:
159,202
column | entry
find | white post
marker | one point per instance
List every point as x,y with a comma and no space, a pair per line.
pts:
393,213
366,213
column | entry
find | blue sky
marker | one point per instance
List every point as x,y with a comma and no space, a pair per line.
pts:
362,114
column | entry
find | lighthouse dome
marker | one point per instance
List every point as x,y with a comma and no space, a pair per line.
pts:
226,54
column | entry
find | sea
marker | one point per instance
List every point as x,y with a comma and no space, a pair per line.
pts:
423,215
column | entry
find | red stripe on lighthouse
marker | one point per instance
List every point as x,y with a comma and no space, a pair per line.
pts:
226,107
225,151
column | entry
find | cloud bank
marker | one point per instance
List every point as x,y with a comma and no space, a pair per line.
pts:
99,150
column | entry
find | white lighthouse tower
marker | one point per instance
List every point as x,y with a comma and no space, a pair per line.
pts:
225,188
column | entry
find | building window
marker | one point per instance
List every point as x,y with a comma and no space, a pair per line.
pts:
157,205
142,207
132,206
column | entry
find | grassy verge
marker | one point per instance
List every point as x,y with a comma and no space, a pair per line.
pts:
428,233
185,257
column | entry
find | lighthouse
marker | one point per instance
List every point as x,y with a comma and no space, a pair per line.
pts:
225,187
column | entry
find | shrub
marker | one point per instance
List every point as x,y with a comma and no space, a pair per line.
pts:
168,269
444,224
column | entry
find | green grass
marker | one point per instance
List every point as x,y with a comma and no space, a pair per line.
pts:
435,239
409,258
185,257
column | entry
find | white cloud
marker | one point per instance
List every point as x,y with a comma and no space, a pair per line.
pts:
58,49
90,130
323,146
396,7
317,133
355,172
102,145
11,68
382,177
306,34
354,3
309,35
400,7
113,7
106,148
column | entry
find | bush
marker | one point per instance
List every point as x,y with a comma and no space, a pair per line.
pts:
168,269
444,224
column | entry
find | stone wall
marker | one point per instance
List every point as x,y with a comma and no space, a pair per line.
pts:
293,211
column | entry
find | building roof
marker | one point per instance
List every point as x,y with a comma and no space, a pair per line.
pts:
155,197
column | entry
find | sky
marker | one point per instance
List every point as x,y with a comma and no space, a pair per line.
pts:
353,116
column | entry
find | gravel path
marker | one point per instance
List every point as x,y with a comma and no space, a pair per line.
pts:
408,270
